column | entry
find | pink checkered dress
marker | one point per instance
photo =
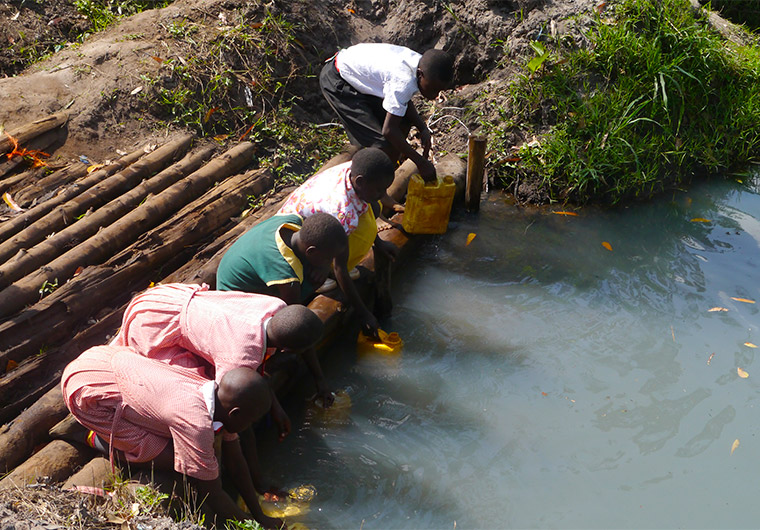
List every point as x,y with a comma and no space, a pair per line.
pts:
172,321
329,191
140,405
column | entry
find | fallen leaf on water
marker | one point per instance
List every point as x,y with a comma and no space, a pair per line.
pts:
745,300
710,358
470,237
607,246
566,213
544,394
672,333
700,220
11,365
742,373
734,445
713,309
749,345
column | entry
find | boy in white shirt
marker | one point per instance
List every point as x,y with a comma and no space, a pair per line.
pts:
371,85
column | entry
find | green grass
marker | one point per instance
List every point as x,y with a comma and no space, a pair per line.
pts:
103,13
657,98
238,85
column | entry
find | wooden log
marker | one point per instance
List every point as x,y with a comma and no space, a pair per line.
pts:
40,143
476,165
97,473
121,233
453,166
22,386
27,132
51,247
26,195
202,268
95,195
27,176
397,189
55,462
18,223
19,438
130,269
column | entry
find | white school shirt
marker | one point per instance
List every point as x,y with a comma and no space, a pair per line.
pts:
382,70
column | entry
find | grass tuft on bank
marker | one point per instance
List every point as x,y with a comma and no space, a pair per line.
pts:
655,98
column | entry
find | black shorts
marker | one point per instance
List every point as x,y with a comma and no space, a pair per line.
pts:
362,115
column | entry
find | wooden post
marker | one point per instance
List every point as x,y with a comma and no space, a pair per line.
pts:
475,170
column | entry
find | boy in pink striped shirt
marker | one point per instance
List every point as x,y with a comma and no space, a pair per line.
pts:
146,411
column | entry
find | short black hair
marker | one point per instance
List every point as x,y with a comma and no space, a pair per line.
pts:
373,164
323,231
437,65
294,327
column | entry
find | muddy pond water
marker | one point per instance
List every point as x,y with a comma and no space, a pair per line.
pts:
548,381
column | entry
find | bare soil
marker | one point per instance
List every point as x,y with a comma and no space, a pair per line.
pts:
107,82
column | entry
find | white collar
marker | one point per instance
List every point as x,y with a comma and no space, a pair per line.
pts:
208,390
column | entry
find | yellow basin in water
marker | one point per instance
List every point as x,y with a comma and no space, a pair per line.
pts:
294,505
389,343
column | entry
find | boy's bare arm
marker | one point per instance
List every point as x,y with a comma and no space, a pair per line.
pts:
323,390
225,508
392,132
366,318
290,293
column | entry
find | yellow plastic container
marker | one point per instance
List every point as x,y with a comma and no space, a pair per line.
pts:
388,344
428,205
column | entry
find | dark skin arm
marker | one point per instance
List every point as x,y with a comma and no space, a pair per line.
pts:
323,390
393,133
290,293
368,321
221,503
279,416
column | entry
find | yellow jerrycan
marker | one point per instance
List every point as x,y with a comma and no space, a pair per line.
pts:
428,205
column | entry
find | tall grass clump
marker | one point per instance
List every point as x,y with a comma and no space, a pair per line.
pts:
657,98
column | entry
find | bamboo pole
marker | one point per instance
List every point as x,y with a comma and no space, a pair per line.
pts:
25,262
15,225
29,193
130,269
19,438
475,171
95,195
27,132
56,461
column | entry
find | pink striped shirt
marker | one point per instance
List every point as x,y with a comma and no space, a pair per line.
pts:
140,405
225,328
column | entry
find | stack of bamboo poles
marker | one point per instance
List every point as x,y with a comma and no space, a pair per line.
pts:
144,218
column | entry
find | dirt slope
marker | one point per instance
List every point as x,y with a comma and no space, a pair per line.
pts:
105,83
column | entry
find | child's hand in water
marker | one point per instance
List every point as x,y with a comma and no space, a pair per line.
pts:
275,495
283,422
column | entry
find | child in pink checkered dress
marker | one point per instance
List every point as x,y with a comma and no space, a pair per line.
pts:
146,411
